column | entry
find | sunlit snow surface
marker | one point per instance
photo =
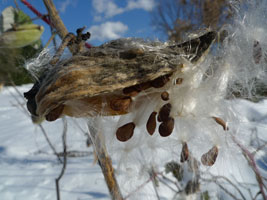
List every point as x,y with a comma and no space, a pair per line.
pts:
28,167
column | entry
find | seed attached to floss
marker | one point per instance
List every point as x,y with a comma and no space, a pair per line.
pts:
184,153
166,127
164,112
209,158
151,123
165,96
179,81
122,104
125,132
54,114
221,122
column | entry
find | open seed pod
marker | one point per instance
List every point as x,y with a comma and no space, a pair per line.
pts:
103,80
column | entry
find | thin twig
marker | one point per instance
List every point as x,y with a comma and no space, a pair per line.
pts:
226,191
168,179
231,183
250,158
43,17
138,188
49,142
64,141
167,185
50,39
153,178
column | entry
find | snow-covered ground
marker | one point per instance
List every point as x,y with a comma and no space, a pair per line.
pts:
28,167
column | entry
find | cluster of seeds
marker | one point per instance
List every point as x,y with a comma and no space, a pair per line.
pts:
161,116
166,127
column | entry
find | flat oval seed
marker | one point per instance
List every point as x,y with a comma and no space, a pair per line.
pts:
151,123
125,132
165,96
184,153
166,127
164,112
54,114
221,122
209,158
122,104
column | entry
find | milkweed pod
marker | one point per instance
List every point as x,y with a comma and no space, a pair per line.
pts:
21,36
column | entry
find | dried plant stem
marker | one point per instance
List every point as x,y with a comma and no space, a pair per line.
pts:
49,142
64,139
56,21
154,182
250,158
105,163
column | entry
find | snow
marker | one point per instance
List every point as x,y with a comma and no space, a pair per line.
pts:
28,168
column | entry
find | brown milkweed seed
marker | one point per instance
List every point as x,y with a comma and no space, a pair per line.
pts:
164,112
166,127
135,89
184,153
221,122
151,123
165,96
179,81
125,132
209,158
160,82
122,104
55,113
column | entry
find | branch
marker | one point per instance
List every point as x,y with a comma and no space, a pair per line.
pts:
64,138
43,17
104,161
56,21
250,158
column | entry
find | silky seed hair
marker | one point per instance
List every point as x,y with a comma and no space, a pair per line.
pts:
201,103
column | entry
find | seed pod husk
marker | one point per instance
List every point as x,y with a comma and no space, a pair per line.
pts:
55,113
184,153
151,123
121,104
164,112
125,132
166,127
165,96
209,158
